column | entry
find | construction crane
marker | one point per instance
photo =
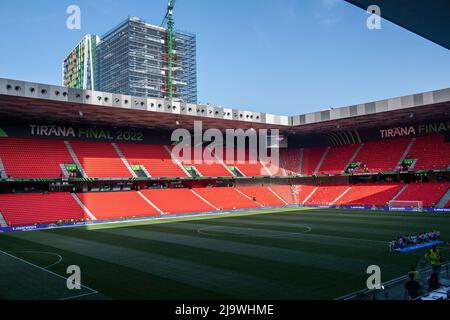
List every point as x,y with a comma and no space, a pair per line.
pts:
170,23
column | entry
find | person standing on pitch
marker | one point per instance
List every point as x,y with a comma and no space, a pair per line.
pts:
435,258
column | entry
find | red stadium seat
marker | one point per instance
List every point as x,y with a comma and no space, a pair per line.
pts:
429,193
263,195
34,158
326,194
154,157
285,192
311,159
100,160
210,168
110,205
38,208
431,153
378,194
249,168
384,155
338,158
172,201
226,198
289,159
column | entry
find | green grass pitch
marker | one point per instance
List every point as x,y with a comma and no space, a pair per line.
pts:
278,254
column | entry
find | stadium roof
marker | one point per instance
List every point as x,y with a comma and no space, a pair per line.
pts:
429,19
20,100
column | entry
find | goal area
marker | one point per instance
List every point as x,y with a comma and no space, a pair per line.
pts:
401,205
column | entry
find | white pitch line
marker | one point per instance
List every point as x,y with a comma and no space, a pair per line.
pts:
78,296
40,268
43,252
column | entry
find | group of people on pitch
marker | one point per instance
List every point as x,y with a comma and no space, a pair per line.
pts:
414,239
413,287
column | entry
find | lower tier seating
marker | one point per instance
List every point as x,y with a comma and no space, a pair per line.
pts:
110,205
326,194
285,192
262,195
370,194
39,208
226,198
303,192
429,193
171,201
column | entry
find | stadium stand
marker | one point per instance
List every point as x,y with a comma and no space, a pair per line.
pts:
384,155
378,194
429,193
171,201
37,208
206,169
100,160
327,194
263,195
109,205
154,157
311,159
226,198
33,158
285,192
304,192
338,158
430,152
248,168
289,159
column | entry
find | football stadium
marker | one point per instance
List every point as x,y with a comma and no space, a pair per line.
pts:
94,183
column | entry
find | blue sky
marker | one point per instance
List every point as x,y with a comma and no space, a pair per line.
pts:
277,56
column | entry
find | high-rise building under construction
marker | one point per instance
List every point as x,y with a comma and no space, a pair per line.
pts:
79,65
132,59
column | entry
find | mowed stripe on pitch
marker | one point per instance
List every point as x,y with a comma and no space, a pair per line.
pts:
194,274
297,257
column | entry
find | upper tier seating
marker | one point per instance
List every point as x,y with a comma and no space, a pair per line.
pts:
248,168
431,153
311,159
226,198
109,205
209,167
34,158
370,194
384,155
154,157
172,201
429,193
262,195
338,158
326,194
100,160
289,159
38,208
